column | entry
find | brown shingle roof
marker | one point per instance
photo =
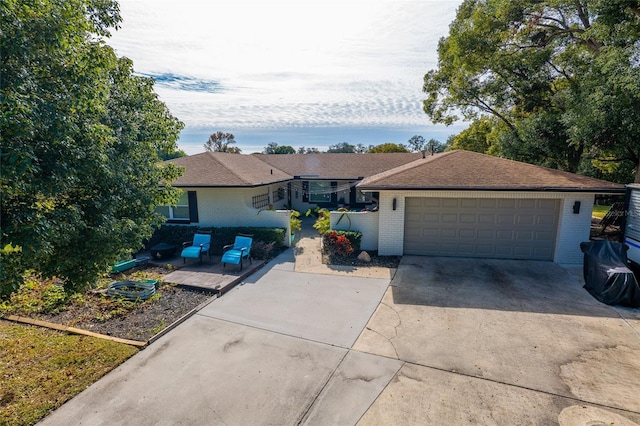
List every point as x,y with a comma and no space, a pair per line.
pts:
224,169
337,166
470,170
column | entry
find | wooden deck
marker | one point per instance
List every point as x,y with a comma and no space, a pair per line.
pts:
210,275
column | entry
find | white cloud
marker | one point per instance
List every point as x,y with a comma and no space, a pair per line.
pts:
254,64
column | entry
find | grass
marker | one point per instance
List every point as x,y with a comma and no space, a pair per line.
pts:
41,369
600,211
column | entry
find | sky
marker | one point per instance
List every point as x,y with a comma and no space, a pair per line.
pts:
301,73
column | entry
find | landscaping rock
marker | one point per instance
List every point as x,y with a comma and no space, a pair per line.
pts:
364,257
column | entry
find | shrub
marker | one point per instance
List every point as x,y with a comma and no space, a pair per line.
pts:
295,222
335,243
323,221
37,295
177,234
262,250
225,236
354,237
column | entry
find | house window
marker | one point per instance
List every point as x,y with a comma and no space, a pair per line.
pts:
278,194
260,201
178,212
364,197
319,191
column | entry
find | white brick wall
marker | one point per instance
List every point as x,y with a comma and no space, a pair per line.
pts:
391,224
572,228
233,207
365,222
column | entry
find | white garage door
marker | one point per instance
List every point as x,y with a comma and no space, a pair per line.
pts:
481,227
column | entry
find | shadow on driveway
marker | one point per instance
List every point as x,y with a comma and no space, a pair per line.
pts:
491,284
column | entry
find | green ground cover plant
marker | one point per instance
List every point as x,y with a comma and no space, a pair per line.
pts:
41,369
600,211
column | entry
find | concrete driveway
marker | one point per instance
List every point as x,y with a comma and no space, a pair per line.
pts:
450,341
274,350
502,342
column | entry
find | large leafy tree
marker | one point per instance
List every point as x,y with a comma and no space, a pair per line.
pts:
342,147
274,148
560,78
80,136
388,147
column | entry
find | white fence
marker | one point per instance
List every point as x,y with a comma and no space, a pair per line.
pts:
365,222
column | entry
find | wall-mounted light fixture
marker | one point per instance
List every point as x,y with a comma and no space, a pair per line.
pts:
394,204
576,207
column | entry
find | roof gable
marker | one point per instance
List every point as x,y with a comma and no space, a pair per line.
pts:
225,169
474,171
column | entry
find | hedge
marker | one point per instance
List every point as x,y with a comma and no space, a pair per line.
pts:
178,234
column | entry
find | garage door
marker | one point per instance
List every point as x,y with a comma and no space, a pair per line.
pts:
487,227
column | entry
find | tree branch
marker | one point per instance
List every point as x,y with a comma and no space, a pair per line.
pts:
583,14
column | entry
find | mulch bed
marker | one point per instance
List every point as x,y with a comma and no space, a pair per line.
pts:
141,323
139,320
382,261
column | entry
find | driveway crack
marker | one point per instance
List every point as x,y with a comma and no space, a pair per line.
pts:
395,329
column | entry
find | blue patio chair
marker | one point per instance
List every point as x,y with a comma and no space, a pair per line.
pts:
195,249
234,253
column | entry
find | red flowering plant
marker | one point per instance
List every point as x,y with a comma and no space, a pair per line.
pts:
335,244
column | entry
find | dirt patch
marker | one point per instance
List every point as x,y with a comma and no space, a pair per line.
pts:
139,320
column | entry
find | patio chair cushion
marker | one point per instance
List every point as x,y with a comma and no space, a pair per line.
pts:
191,252
241,249
201,244
232,256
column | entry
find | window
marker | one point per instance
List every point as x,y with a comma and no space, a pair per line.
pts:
260,201
319,192
367,197
278,194
178,212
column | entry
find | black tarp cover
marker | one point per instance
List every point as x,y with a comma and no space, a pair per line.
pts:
606,274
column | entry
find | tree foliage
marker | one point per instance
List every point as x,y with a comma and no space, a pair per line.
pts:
560,78
274,148
343,147
222,142
312,150
416,143
79,141
388,147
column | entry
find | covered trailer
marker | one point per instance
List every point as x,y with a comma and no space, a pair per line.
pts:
632,226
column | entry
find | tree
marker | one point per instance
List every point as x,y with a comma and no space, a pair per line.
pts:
80,136
435,146
561,77
343,147
221,142
416,143
274,148
478,137
361,149
177,153
388,147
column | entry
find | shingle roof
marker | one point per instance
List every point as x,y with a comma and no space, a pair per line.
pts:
474,171
224,169
337,166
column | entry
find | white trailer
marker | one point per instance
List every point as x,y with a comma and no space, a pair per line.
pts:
632,227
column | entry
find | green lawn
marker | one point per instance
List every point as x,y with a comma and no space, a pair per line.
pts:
40,369
600,211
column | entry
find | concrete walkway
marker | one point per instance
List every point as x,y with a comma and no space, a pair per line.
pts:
308,256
